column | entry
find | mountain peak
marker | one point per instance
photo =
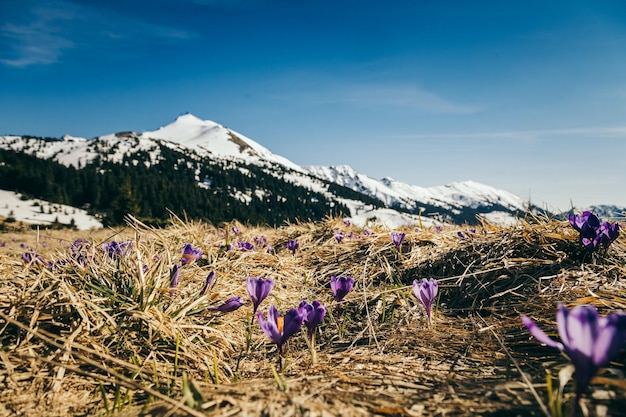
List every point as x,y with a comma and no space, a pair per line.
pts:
206,136
191,119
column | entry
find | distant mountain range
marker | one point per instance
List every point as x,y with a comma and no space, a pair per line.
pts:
209,171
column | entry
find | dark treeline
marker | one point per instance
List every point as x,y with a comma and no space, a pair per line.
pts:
199,188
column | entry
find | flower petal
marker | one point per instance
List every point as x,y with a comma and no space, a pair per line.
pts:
582,329
270,326
291,324
539,334
610,338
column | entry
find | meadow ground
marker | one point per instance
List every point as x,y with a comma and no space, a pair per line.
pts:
87,334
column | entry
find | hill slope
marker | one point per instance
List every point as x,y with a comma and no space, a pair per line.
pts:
193,165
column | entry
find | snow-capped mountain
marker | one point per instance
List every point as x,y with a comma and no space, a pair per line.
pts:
198,143
205,137
451,200
214,139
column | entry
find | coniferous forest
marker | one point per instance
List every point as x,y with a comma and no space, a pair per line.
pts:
195,187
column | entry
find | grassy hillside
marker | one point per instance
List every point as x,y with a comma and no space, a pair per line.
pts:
86,331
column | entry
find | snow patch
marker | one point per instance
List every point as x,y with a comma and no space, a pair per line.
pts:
35,211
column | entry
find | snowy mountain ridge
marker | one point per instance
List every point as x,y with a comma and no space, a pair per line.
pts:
188,134
454,197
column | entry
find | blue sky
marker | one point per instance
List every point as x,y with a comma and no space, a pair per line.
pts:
527,96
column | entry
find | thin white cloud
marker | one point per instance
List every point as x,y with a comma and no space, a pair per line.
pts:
405,96
49,29
609,131
33,44
315,89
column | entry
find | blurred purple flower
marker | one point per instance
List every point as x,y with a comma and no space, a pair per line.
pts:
78,245
229,305
312,315
208,283
79,251
174,275
293,246
461,235
397,238
340,287
117,249
190,254
260,240
339,236
426,292
280,328
439,228
258,289
346,222
31,256
367,232
235,230
245,246
590,341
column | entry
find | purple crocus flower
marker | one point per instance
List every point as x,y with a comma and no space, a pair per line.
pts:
426,292
312,315
293,246
174,276
245,246
339,236
397,238
588,340
341,286
439,228
208,283
592,233
229,305
78,245
78,250
260,240
461,235
589,229
190,254
116,249
579,220
235,230
280,328
346,222
31,256
607,233
258,289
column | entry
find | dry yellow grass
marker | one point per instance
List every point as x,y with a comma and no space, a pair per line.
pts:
111,337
